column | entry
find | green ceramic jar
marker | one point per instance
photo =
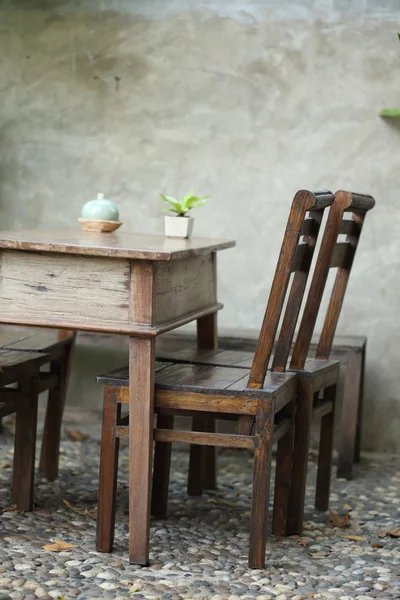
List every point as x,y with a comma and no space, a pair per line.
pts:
100,209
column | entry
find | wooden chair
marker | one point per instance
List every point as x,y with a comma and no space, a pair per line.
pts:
263,403
309,403
21,370
342,258
58,346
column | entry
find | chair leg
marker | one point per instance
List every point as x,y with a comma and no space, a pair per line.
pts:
261,482
161,470
284,456
303,420
196,462
50,450
25,445
210,459
108,472
325,453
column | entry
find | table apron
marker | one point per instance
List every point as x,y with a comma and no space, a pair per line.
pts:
100,293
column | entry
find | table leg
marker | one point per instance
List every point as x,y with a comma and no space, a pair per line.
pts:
141,415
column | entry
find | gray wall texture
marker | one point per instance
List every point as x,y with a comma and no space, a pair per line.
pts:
247,101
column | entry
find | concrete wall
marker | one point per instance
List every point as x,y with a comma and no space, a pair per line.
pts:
247,101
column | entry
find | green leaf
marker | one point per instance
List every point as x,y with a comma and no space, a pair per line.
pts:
175,206
181,207
390,112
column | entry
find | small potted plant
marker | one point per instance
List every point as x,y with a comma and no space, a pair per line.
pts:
180,225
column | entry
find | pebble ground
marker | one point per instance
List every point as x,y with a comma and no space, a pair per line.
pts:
200,551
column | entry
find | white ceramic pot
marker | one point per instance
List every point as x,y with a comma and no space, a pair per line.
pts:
178,226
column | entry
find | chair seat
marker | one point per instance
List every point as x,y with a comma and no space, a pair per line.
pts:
30,340
199,381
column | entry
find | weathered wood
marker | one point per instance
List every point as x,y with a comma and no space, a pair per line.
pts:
184,286
25,443
142,293
141,413
62,351
50,450
108,473
14,363
133,246
73,289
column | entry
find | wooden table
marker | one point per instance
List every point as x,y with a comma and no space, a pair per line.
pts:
131,284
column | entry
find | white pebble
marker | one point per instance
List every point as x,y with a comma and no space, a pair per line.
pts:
108,585
23,567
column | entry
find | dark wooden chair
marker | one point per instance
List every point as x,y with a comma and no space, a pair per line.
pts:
342,258
58,346
263,403
310,405
19,390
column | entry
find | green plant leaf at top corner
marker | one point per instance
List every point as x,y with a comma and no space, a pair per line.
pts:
390,113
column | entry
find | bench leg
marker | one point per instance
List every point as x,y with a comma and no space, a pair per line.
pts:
352,393
50,450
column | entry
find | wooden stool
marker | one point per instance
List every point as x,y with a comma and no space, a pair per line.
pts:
22,369
58,347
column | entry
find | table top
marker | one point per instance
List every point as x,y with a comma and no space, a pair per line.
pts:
115,245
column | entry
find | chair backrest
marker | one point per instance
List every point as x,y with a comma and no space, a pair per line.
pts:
295,257
332,254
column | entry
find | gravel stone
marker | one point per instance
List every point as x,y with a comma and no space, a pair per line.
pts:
200,551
